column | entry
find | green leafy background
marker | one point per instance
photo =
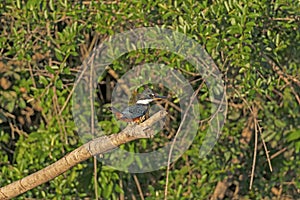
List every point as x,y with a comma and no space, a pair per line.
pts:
254,43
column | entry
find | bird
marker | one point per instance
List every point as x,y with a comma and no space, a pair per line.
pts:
138,112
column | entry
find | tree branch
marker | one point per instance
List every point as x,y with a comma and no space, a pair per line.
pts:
94,147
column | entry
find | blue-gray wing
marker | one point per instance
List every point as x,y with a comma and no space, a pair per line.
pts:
135,111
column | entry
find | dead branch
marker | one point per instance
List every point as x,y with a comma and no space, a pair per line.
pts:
94,147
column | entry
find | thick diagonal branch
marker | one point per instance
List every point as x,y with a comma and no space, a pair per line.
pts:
97,146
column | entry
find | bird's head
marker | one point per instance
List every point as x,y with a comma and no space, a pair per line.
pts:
148,96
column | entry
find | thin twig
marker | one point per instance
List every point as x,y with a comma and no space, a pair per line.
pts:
265,146
95,178
136,180
92,108
257,127
254,156
121,82
277,153
282,75
121,197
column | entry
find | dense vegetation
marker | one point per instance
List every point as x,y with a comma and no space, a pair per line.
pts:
254,43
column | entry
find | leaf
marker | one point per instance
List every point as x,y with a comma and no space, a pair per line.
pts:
279,123
43,80
10,106
49,69
293,136
58,54
59,84
22,103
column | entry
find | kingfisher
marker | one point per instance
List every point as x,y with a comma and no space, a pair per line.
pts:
138,112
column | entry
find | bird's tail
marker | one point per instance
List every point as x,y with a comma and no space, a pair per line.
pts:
118,113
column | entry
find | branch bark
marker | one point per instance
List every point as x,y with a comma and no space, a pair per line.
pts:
95,147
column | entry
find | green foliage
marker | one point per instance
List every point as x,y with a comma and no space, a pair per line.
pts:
255,44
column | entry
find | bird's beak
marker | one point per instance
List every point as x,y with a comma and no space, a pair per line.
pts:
158,97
